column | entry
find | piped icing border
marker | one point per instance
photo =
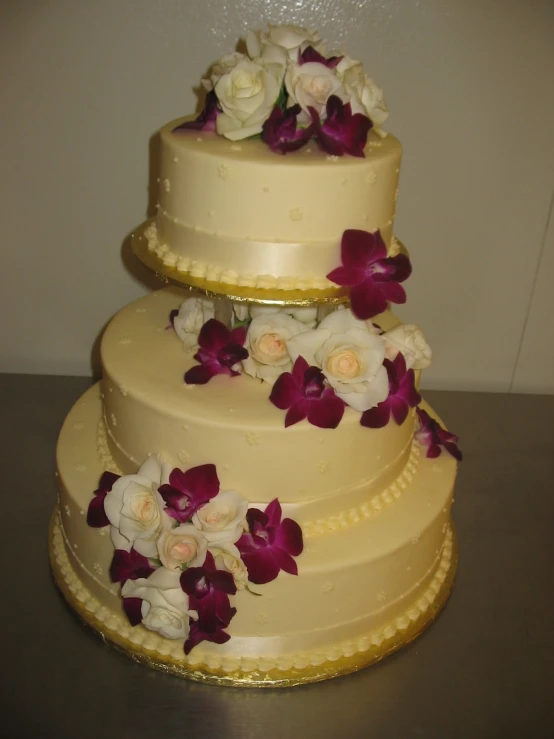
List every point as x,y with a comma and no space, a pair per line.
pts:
286,670
199,270
312,527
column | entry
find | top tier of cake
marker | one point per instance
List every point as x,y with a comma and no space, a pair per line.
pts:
239,214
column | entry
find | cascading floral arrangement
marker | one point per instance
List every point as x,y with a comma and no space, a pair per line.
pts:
183,547
287,89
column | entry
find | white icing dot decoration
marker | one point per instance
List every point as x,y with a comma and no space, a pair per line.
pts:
381,596
175,159
332,158
415,539
265,189
67,511
82,513
123,390
98,569
184,457
101,532
81,468
371,178
141,310
262,618
223,172
126,341
328,587
78,426
295,214
236,147
252,437
113,420
199,138
167,185
323,467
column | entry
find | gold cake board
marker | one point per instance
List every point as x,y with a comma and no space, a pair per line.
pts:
77,598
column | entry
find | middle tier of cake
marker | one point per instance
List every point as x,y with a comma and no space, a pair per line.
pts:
149,409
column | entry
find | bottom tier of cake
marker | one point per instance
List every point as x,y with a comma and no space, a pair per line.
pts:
363,590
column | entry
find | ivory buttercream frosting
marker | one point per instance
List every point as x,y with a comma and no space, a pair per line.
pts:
255,493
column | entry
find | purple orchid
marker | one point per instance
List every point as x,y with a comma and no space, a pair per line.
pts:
342,132
373,277
129,566
432,435
219,351
270,544
280,131
133,610
188,491
208,589
206,119
402,396
304,393
311,55
96,516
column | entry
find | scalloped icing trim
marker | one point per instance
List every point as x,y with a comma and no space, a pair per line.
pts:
213,273
372,508
317,527
141,638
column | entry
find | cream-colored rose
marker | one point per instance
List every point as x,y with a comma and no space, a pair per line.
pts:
227,557
193,314
246,95
350,355
182,545
266,341
305,314
222,518
221,67
311,85
165,607
365,97
290,38
135,508
410,341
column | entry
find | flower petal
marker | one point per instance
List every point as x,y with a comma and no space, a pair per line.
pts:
376,418
297,412
133,610
326,412
285,392
199,375
289,537
367,300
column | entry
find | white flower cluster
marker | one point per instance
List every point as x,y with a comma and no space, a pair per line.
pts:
349,352
247,86
138,518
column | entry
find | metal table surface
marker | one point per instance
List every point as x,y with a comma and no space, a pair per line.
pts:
484,669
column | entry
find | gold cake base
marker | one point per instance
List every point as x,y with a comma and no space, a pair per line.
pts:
78,597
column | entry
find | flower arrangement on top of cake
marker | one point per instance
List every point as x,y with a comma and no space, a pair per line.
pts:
289,90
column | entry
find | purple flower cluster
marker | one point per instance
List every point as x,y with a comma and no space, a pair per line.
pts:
402,396
220,351
432,435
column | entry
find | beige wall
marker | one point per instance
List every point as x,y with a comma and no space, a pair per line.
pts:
469,84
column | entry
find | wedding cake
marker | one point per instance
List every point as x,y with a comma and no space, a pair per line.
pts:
255,493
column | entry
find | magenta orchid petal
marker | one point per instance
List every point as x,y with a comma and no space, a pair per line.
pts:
207,118
269,544
281,133
399,409
296,413
129,566
133,610
341,133
220,352
311,55
304,393
197,635
432,435
376,418
372,276
96,515
329,414
188,491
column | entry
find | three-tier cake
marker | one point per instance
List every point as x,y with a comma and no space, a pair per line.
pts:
255,493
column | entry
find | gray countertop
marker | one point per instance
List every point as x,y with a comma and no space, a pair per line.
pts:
484,669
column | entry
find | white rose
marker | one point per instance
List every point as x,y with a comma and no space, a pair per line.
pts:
350,355
262,50
293,39
182,545
165,607
227,557
246,95
409,340
305,314
266,341
193,314
221,67
222,518
135,508
311,85
365,96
